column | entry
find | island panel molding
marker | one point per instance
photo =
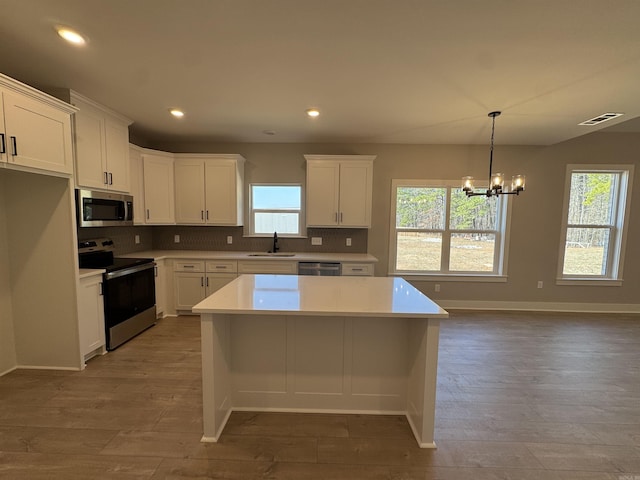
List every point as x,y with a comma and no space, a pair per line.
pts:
320,344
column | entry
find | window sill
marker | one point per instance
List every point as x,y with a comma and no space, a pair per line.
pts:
280,235
590,282
430,277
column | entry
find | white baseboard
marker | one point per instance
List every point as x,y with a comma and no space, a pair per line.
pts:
38,367
540,306
8,371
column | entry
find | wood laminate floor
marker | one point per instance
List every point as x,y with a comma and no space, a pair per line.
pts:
520,397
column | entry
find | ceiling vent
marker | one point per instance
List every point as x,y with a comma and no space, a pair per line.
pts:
601,118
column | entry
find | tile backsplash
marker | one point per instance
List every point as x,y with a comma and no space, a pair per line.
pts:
215,238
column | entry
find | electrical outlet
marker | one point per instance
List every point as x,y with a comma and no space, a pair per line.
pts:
348,242
137,239
176,239
316,240
229,239
436,287
540,283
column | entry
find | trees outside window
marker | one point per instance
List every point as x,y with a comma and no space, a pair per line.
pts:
594,218
438,230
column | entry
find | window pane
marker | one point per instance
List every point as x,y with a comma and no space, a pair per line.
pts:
472,252
276,197
472,213
418,251
419,207
586,251
267,222
591,198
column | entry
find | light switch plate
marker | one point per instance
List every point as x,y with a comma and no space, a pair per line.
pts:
316,240
176,238
137,239
348,242
229,239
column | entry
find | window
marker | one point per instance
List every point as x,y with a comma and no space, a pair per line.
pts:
276,208
438,230
594,216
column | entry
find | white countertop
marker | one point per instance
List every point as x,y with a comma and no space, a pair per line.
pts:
90,272
311,295
230,255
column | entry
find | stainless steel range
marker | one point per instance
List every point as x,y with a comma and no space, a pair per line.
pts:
128,287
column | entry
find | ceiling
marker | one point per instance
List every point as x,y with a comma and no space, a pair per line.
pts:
379,71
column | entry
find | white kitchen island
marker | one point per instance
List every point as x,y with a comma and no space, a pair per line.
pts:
320,344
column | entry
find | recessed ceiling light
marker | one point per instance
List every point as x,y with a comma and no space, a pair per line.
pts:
313,112
176,112
71,35
601,118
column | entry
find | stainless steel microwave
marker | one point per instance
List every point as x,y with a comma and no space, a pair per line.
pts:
103,209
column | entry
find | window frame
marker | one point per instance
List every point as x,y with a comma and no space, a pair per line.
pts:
503,221
252,211
617,229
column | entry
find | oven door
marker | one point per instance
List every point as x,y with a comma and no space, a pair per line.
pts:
127,293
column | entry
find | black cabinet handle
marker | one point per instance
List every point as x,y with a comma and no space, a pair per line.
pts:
3,147
15,146
110,178
106,178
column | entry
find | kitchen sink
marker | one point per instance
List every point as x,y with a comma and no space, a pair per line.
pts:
269,254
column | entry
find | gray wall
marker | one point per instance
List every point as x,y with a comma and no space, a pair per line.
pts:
536,214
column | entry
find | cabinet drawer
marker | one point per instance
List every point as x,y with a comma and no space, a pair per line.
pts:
272,267
355,269
226,266
188,266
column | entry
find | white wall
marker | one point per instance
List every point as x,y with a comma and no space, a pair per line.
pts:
43,270
7,340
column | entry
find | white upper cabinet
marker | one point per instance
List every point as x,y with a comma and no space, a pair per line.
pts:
339,190
137,184
158,184
102,146
35,130
209,189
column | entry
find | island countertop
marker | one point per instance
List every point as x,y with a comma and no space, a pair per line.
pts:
321,296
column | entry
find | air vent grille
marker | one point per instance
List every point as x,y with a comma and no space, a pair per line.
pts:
601,118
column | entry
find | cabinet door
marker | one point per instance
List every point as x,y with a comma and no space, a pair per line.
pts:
189,289
355,194
189,191
37,135
221,192
117,151
91,169
161,286
137,185
158,189
91,315
322,193
215,281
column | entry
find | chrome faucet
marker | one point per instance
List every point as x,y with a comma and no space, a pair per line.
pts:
275,243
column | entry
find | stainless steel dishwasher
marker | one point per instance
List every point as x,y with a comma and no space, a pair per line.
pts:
321,269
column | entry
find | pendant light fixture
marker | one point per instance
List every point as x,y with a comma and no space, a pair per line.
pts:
496,180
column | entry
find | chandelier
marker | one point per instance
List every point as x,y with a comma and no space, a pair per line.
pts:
496,180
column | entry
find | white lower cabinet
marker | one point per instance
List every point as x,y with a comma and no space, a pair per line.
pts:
195,280
275,267
357,270
91,316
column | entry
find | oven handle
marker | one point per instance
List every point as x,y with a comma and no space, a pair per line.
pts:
128,271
